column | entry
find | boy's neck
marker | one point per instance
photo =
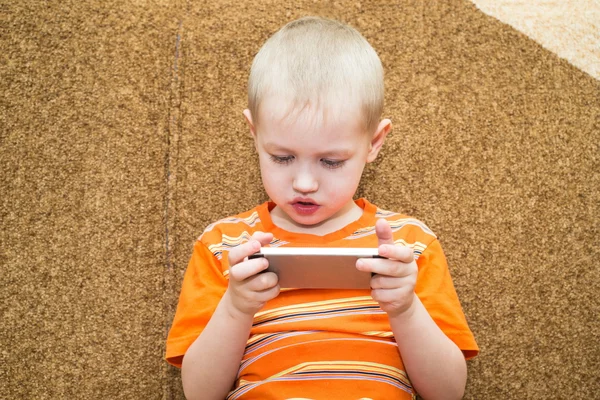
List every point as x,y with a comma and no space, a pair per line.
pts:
348,214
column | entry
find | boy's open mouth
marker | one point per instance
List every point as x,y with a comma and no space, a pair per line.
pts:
305,207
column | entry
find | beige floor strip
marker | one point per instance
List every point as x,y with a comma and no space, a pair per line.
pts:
569,28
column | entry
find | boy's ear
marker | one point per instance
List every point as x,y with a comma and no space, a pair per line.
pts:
248,117
384,127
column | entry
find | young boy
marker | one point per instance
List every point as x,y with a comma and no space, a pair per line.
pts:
315,102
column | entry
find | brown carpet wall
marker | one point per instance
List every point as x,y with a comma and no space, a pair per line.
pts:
122,138
85,105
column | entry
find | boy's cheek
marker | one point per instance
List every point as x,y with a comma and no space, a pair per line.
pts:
344,182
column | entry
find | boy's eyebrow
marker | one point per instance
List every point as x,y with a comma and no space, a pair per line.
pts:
343,153
273,147
269,146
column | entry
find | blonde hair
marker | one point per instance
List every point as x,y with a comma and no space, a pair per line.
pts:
320,62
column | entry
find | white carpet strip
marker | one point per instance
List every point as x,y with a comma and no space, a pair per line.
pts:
569,28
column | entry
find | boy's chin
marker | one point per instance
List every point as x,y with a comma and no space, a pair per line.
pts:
309,223
306,220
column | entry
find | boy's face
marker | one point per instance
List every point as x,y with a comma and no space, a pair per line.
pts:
311,165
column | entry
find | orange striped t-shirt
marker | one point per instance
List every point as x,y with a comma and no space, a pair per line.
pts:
317,343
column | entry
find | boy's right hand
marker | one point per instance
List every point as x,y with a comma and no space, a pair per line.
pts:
248,289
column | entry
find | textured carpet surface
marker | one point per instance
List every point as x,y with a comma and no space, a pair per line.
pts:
121,138
569,28
85,95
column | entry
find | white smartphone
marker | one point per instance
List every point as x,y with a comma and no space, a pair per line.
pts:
317,267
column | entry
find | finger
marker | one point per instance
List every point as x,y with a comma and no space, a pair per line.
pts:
268,294
388,295
262,282
247,268
384,232
239,253
393,268
388,282
396,252
263,237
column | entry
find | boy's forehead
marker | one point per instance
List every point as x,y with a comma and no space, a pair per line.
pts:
282,111
307,128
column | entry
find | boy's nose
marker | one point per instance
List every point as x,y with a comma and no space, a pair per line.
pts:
305,183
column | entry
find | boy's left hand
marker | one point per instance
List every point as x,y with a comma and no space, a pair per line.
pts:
393,285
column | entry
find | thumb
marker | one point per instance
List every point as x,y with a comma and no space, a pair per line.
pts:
384,232
263,237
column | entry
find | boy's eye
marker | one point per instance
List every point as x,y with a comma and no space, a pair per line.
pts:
332,164
282,159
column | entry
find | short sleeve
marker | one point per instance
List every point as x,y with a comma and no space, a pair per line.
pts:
202,288
437,293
